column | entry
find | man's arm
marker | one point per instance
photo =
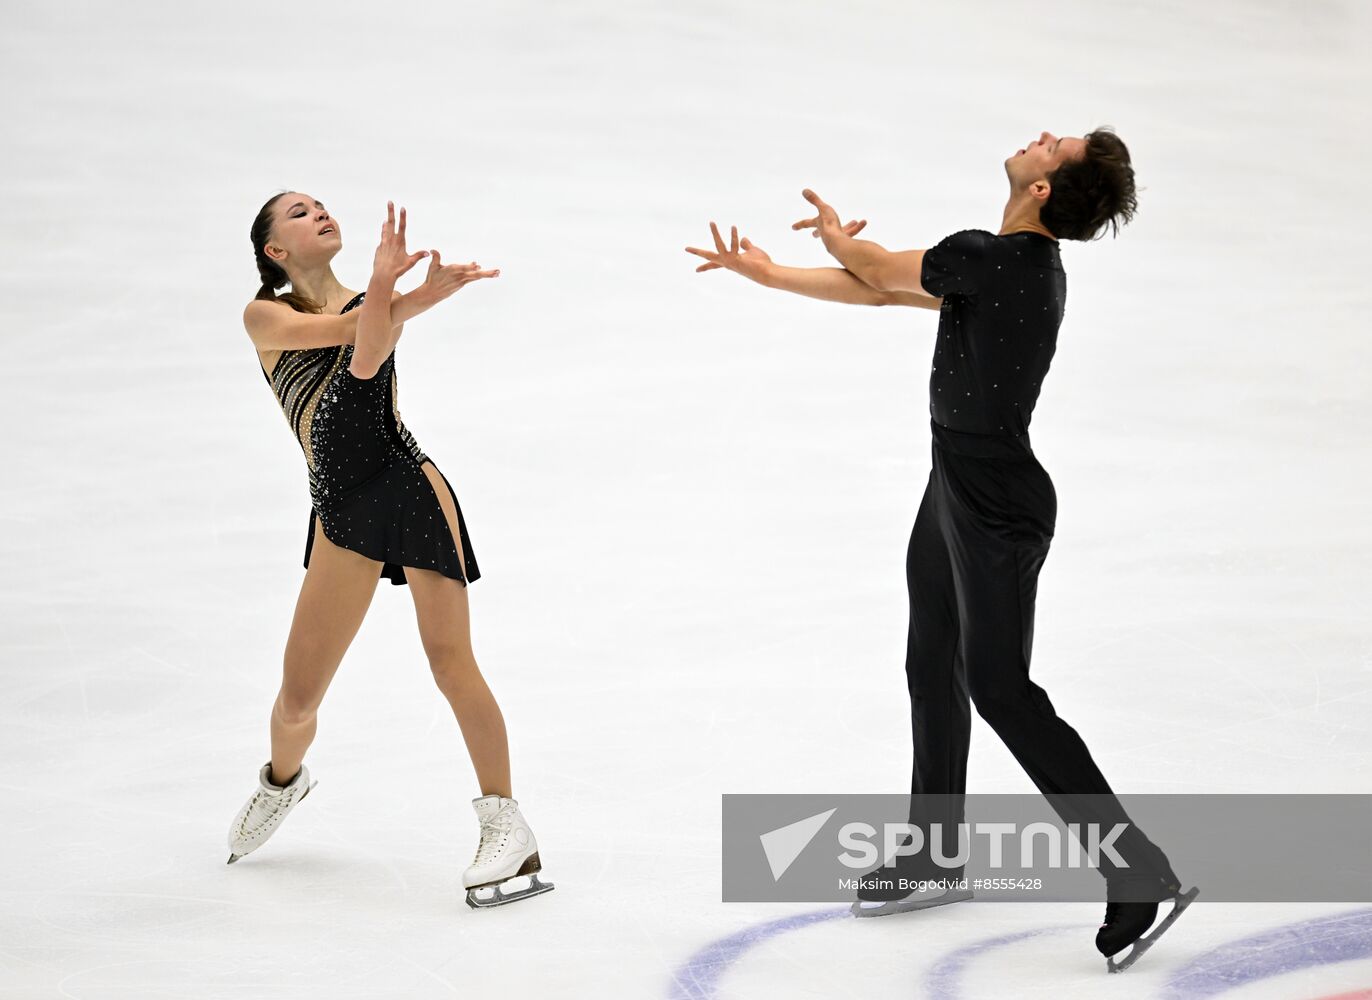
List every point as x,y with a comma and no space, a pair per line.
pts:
883,269
915,299
833,284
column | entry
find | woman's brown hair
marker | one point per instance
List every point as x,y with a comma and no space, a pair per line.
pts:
273,274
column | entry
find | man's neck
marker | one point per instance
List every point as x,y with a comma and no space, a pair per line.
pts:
1020,217
1004,231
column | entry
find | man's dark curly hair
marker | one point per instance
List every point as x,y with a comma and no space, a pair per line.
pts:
1091,193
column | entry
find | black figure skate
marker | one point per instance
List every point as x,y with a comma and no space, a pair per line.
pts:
881,893
1129,911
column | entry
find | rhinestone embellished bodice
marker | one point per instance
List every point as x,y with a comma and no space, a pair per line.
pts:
349,428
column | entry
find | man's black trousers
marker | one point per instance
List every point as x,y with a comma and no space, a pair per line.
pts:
980,538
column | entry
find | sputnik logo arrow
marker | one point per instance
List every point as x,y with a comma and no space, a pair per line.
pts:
784,844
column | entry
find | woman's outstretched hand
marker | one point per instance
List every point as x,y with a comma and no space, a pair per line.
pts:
445,279
391,260
751,263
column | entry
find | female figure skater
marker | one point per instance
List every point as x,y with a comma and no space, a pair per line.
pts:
379,507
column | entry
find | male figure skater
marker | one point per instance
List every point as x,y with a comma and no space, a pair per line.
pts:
988,512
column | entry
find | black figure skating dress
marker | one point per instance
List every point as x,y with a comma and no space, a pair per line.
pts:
366,484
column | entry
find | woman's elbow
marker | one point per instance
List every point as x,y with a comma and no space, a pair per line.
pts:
360,370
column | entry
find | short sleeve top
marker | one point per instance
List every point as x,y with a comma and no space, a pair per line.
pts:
1003,302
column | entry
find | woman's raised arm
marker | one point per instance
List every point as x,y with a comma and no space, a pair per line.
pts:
275,326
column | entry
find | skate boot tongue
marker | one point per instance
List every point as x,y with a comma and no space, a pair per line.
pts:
488,805
264,780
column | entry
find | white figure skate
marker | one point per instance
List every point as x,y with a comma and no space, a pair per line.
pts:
265,809
507,850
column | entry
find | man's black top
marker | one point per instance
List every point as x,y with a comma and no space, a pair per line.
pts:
1003,300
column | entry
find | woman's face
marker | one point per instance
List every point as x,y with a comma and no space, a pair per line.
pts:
304,230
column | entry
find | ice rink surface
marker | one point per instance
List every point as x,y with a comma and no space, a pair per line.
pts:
690,495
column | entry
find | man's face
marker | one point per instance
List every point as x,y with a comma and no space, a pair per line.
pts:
1041,157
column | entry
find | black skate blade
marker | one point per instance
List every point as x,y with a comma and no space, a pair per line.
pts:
500,897
1144,943
864,908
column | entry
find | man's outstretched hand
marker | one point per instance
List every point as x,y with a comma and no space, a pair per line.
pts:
826,225
751,262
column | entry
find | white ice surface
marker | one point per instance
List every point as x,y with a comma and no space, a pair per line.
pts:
690,496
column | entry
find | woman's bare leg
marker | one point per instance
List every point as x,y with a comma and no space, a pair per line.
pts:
440,605
334,598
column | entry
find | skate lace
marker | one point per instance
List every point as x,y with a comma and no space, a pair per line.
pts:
493,833
263,808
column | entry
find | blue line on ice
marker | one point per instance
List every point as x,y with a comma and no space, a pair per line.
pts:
1343,937
698,977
